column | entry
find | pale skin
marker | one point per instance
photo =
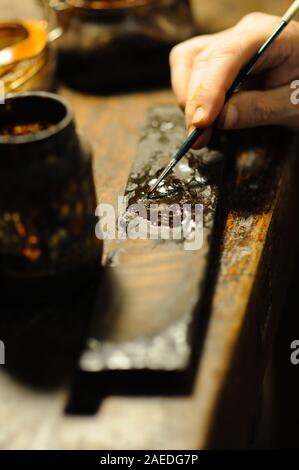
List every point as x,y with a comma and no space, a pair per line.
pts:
203,68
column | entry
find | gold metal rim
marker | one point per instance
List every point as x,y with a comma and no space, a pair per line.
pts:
19,75
31,46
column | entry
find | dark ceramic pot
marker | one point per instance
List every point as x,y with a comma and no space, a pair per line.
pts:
47,196
124,44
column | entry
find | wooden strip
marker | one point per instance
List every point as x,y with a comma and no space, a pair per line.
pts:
159,284
192,421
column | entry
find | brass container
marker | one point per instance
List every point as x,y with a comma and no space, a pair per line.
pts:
27,61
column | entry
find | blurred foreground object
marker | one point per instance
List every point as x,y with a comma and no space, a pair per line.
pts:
216,15
27,62
120,44
47,195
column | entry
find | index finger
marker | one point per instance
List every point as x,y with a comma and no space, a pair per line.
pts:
181,61
216,67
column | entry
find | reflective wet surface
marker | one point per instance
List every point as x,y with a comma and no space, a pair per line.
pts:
190,183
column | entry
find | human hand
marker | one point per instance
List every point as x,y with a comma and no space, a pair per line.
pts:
204,68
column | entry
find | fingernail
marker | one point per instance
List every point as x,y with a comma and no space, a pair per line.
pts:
231,117
198,116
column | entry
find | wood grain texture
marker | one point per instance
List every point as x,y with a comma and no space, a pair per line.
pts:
113,125
256,255
217,15
151,309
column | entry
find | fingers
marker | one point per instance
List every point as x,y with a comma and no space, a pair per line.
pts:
203,139
204,68
215,68
258,108
181,61
283,55
284,67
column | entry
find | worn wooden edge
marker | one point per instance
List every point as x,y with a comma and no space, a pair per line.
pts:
248,329
173,423
149,332
224,329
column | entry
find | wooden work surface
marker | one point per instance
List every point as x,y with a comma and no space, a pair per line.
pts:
257,252
246,303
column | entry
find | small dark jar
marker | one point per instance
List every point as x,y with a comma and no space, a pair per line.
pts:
111,46
47,197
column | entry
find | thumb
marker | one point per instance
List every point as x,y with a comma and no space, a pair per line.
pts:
258,108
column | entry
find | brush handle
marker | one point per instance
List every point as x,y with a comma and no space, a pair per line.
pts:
193,137
291,12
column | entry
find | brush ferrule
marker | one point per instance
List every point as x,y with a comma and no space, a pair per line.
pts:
291,12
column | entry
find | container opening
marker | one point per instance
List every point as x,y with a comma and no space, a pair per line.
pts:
29,114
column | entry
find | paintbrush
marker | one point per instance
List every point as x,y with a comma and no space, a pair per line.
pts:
193,137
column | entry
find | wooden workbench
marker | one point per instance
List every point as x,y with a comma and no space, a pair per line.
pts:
247,300
256,257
